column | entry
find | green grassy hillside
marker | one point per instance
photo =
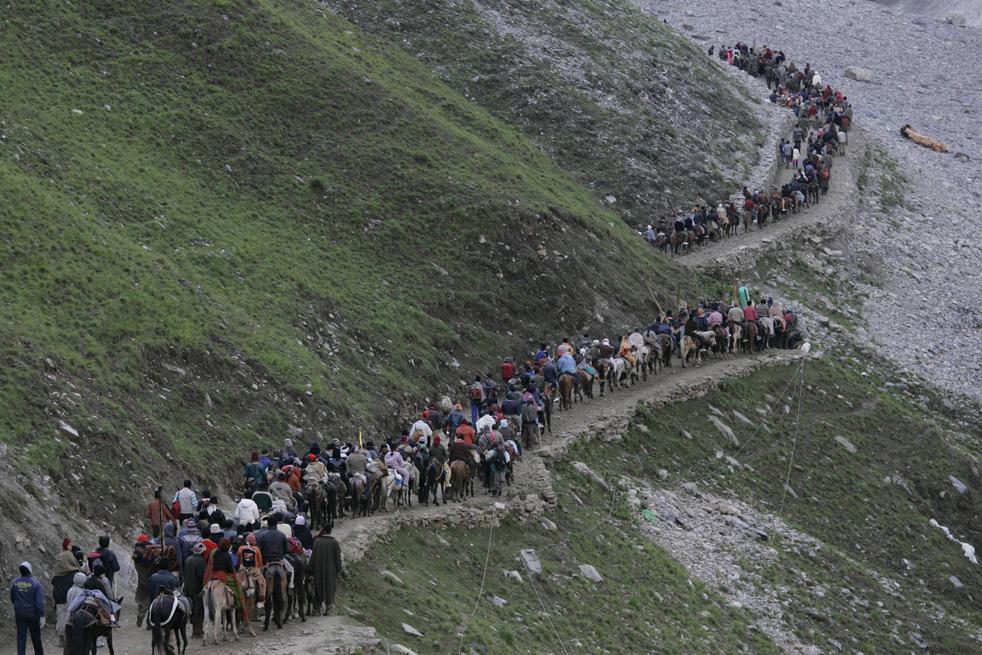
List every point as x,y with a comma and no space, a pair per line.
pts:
858,563
221,218
629,107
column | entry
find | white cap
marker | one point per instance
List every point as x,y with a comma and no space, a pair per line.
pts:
301,520
27,565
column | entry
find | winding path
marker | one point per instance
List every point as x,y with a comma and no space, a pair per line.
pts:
599,418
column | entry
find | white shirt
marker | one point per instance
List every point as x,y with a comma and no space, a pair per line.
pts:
246,512
422,427
486,422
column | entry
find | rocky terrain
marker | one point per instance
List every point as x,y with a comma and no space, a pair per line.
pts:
914,235
773,503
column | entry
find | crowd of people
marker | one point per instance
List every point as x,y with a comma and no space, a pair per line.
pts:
189,541
290,497
823,116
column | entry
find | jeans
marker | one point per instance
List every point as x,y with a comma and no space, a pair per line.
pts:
474,412
30,624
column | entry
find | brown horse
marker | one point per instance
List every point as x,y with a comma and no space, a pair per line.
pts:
665,348
584,385
720,346
566,384
248,579
676,241
749,339
460,480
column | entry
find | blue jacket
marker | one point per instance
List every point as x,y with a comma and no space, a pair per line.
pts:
567,364
27,597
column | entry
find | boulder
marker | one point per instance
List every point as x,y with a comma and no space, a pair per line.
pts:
859,74
590,573
410,630
531,560
726,430
845,443
959,486
391,578
954,18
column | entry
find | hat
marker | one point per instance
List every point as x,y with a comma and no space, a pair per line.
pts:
504,423
65,543
301,520
311,456
605,342
426,414
198,548
288,443
27,565
215,528
142,539
189,523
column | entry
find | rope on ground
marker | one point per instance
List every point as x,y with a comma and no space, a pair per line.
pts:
545,610
480,591
794,442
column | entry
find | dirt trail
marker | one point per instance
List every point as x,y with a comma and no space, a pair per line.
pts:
743,250
600,418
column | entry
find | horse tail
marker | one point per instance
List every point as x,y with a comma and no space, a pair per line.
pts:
76,631
277,591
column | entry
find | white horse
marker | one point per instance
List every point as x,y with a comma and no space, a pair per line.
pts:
218,600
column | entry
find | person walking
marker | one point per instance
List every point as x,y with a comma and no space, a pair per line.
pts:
325,568
157,513
27,597
109,561
194,577
66,566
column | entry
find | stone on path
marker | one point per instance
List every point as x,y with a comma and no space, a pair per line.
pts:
590,573
859,74
845,443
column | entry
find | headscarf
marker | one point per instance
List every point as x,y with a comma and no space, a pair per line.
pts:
65,562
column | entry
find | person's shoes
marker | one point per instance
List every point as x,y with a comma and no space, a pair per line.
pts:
139,620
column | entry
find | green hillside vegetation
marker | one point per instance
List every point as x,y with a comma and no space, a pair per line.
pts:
646,603
870,508
221,218
874,534
631,108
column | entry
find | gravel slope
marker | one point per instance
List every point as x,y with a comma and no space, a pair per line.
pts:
926,247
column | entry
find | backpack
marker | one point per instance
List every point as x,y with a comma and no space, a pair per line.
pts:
530,413
474,393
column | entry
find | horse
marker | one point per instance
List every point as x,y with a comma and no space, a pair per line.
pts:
688,347
813,190
748,216
314,496
709,340
404,494
460,480
749,340
435,477
603,372
721,341
358,502
276,593
218,600
382,486
765,328
566,384
248,579
297,598
618,368
676,241
585,386
83,630
168,617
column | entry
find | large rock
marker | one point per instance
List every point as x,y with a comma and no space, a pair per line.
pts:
410,630
859,74
531,560
959,486
391,578
590,573
954,18
845,443
587,471
726,430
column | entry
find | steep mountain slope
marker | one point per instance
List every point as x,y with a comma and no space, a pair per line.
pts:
629,107
221,219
